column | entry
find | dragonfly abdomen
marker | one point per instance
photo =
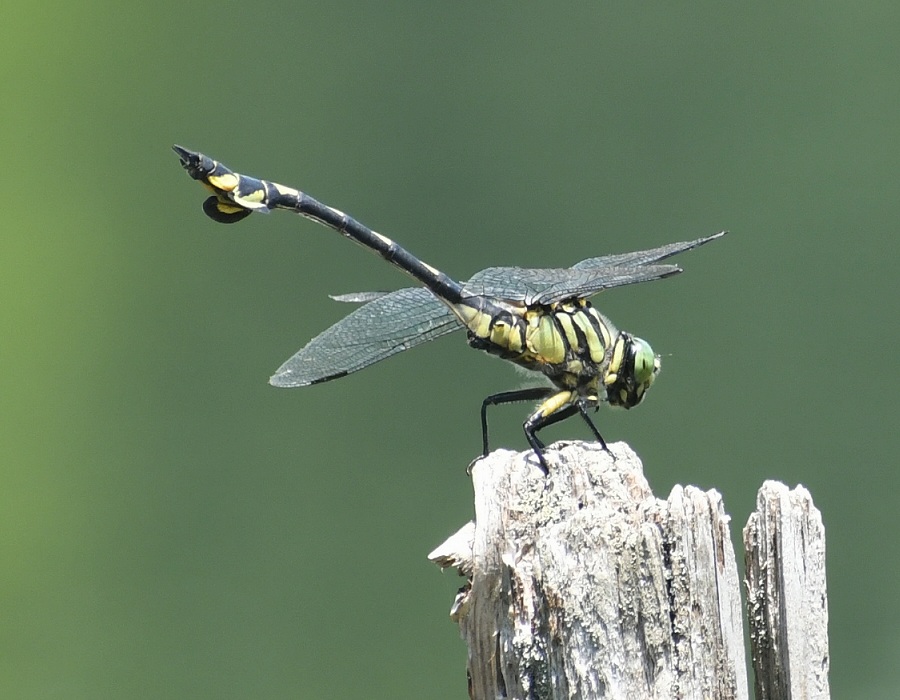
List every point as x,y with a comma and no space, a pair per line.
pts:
237,195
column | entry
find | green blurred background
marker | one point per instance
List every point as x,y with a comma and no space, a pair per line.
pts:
173,527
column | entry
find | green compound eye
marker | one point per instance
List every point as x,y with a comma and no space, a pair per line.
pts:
630,378
645,362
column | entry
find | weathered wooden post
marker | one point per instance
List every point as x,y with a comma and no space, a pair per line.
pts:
583,584
784,543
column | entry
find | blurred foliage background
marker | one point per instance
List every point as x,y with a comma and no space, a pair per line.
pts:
173,527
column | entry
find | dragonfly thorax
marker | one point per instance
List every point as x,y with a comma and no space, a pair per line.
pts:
569,342
569,338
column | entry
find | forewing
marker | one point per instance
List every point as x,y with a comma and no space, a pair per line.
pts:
582,280
388,324
551,285
645,257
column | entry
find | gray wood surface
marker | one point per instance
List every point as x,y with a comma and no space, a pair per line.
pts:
784,541
583,584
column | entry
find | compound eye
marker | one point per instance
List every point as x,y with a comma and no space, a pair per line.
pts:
645,364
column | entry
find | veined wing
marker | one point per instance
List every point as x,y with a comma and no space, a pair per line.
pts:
646,257
550,285
525,285
547,285
584,279
387,324
390,322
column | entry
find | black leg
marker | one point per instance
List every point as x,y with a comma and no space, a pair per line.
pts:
536,422
582,409
533,394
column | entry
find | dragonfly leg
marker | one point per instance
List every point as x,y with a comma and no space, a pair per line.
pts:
556,408
582,409
533,394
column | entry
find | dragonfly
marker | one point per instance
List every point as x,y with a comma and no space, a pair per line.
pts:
537,318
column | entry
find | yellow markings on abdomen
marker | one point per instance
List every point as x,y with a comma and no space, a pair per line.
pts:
226,182
506,336
432,270
384,239
228,207
252,200
287,191
476,321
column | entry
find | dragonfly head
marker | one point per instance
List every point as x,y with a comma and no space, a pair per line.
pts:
632,369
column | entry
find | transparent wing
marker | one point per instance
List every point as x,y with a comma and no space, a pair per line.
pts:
645,257
550,285
584,279
358,297
390,323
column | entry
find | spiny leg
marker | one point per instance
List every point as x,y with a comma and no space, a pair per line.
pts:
532,394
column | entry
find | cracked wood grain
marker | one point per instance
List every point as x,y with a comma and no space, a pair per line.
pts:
583,584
